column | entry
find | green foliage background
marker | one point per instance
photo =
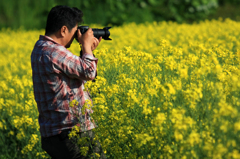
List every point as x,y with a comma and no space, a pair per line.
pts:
32,14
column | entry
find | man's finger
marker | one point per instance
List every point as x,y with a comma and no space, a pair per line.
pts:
90,30
79,33
100,39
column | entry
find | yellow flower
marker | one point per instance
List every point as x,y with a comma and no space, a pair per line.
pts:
84,150
73,103
183,73
236,126
235,154
11,133
75,130
1,125
194,138
178,136
160,118
96,155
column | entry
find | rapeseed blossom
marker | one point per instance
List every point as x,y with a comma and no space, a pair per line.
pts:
171,91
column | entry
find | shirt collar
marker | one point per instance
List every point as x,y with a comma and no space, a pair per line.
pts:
45,37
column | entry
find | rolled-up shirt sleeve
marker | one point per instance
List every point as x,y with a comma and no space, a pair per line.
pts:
64,61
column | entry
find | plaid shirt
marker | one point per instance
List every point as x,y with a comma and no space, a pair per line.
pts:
58,78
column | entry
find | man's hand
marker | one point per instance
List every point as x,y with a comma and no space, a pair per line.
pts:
88,41
95,43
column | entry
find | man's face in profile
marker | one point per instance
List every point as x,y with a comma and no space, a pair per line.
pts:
70,36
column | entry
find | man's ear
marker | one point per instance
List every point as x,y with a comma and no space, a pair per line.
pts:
63,31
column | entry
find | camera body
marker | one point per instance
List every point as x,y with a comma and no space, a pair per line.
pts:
104,33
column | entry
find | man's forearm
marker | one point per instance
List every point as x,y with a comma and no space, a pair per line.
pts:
86,49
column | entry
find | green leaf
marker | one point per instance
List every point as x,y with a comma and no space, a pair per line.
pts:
120,6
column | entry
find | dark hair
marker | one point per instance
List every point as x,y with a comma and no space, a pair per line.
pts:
60,16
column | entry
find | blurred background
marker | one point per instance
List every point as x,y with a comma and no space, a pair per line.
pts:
29,14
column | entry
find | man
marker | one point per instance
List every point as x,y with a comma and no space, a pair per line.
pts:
58,79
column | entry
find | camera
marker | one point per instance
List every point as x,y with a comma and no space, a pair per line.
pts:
104,33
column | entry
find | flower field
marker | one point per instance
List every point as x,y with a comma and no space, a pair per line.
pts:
163,90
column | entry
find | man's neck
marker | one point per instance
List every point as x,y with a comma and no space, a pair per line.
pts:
56,38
